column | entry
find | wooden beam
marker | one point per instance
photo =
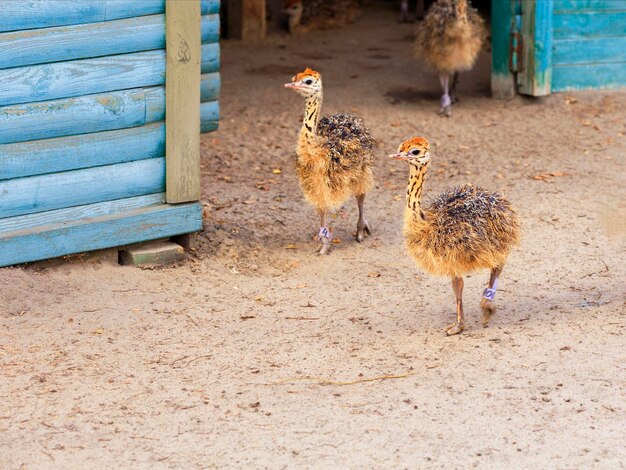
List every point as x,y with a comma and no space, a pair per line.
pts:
247,19
502,79
72,188
182,108
101,226
535,78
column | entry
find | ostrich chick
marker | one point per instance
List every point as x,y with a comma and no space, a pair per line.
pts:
312,15
459,231
449,39
334,157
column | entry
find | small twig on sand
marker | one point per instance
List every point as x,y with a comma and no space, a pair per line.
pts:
196,359
323,381
302,318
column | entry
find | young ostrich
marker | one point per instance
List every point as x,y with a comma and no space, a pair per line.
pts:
449,39
459,231
334,157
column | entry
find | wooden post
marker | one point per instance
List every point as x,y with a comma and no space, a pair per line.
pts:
246,20
502,78
182,100
536,76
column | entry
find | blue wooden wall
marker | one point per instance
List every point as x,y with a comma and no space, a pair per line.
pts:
82,137
589,44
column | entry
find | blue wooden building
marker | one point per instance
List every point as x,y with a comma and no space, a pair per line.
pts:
101,107
546,46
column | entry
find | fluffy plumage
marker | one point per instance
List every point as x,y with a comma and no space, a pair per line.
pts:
450,36
334,158
463,229
337,162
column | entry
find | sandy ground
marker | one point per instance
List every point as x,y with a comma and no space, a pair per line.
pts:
255,353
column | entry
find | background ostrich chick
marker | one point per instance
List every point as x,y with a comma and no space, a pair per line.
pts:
449,39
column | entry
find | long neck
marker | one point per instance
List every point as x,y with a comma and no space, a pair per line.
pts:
414,189
312,114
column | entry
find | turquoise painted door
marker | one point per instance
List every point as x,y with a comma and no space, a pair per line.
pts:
546,46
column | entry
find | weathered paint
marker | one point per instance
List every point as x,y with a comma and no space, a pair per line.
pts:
81,77
589,5
584,77
72,188
44,156
590,23
210,58
502,79
594,50
209,112
536,76
93,233
81,115
22,15
69,214
210,84
63,43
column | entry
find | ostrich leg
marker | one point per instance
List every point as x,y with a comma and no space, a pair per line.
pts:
446,102
325,235
362,227
487,304
404,11
459,325
455,81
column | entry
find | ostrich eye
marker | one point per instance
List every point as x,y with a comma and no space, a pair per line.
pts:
415,152
308,81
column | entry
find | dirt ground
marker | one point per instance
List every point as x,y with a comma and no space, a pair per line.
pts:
256,353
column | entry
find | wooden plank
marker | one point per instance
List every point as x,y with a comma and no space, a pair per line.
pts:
40,46
20,15
155,104
589,51
571,25
502,79
209,126
82,41
588,5
81,77
73,188
69,116
210,27
209,7
210,84
583,77
94,233
84,114
39,157
182,142
210,111
536,76
71,214
210,58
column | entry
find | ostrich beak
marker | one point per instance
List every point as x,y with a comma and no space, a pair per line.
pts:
398,156
292,85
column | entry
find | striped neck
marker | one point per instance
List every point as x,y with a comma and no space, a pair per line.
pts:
311,114
414,189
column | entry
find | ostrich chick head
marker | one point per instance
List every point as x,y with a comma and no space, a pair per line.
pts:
416,151
307,83
293,10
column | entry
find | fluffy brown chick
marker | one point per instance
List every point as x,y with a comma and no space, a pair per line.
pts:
449,40
334,157
459,231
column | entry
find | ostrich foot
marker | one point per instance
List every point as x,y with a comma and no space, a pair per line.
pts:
446,105
488,308
362,230
325,236
455,328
